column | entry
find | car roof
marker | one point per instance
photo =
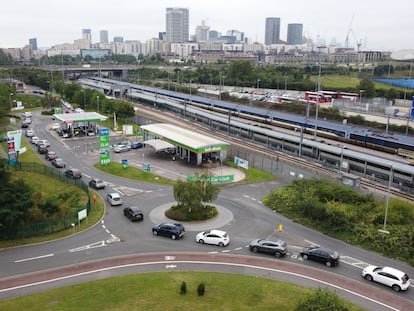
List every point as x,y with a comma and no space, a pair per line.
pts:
135,208
114,194
393,271
215,231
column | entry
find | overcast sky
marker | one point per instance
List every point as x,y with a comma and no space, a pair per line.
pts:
382,25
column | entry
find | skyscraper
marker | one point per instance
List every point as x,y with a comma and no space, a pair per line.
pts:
103,36
177,25
272,30
33,43
294,34
202,32
86,34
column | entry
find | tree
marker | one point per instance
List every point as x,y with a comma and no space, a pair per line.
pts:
368,86
321,300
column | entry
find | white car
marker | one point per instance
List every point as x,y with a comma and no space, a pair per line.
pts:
114,199
388,276
29,133
56,126
44,142
215,237
34,140
122,148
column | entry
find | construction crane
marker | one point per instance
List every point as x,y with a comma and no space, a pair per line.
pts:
351,32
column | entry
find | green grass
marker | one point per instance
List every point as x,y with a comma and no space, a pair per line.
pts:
161,291
253,175
130,172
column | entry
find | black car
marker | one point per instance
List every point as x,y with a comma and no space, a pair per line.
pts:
134,213
321,254
41,148
277,248
50,155
97,184
73,173
168,229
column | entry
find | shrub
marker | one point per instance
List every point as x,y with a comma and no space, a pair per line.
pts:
183,288
201,289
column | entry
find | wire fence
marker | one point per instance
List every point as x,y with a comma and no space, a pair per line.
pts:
53,225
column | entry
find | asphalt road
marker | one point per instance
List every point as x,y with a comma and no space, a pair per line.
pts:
242,215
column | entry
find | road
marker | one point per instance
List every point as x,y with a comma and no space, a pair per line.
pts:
245,218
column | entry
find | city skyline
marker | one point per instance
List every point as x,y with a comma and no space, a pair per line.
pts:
378,27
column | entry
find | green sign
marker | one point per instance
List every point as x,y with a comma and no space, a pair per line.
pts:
214,179
58,110
139,131
104,155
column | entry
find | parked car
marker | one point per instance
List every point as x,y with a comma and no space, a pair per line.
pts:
73,173
34,140
168,229
134,213
136,145
277,248
25,124
50,155
42,148
215,237
97,183
321,254
121,148
388,276
114,198
59,163
56,126
29,133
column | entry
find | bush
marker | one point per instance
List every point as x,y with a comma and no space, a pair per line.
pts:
201,289
183,288
321,300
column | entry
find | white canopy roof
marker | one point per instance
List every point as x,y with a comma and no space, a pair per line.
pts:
159,144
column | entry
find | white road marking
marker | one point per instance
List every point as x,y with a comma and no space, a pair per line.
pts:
90,246
34,258
170,266
238,248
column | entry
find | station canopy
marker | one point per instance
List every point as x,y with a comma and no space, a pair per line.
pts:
80,117
159,145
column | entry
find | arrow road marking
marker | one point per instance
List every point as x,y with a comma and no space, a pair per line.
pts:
90,246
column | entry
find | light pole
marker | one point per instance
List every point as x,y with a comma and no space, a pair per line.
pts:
11,102
97,102
190,90
410,112
317,98
361,92
384,230
258,84
342,160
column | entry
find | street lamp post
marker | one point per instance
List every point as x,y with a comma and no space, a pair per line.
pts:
410,111
384,230
342,160
258,84
11,102
361,92
317,98
97,102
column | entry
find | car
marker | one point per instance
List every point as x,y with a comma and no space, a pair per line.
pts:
134,213
97,183
59,163
50,155
56,126
25,124
120,143
114,198
277,248
44,142
42,148
121,148
29,133
396,279
169,229
34,140
215,237
73,173
136,145
321,254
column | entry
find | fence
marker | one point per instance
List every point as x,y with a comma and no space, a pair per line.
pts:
53,225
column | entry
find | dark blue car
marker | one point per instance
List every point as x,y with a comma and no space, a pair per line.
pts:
136,145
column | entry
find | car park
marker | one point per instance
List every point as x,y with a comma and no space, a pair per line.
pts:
114,199
122,148
321,254
42,148
133,213
215,237
277,248
396,279
58,163
136,145
50,155
97,184
73,173
169,229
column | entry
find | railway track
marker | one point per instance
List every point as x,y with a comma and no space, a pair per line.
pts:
254,148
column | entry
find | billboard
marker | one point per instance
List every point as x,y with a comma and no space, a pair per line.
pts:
104,147
14,139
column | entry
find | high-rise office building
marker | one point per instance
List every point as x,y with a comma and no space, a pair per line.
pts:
295,34
272,30
202,32
86,34
177,25
103,36
33,43
118,39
